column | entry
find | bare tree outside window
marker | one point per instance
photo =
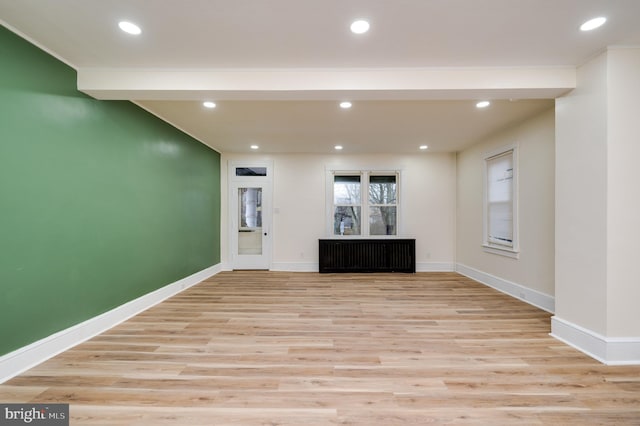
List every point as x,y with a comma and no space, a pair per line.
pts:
347,205
378,205
382,205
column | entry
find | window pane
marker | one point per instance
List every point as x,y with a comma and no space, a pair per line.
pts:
346,220
250,207
501,223
382,220
500,175
500,199
346,190
382,189
250,221
251,171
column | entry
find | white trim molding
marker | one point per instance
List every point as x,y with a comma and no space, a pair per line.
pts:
295,266
435,267
608,350
31,355
314,267
526,294
501,251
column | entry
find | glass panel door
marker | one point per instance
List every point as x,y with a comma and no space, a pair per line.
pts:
250,221
250,216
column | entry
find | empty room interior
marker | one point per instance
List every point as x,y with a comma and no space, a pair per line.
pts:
327,212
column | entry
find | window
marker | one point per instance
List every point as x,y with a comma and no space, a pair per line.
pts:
382,205
347,205
356,213
251,171
500,218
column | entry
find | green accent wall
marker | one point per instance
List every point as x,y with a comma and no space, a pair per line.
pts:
100,201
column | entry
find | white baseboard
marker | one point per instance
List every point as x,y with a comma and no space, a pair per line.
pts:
435,267
295,266
532,297
313,267
31,355
610,351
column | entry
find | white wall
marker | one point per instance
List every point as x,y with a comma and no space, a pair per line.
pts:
623,192
534,269
581,133
299,220
598,205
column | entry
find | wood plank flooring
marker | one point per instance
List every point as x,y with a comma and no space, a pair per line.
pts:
274,348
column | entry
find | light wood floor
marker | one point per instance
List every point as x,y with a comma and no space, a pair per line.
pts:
271,348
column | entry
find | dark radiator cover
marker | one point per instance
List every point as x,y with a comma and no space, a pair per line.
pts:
368,255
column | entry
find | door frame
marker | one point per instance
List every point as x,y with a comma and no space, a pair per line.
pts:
266,183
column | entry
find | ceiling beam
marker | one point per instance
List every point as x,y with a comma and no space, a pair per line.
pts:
328,84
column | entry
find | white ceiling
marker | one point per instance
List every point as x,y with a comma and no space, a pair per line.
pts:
277,68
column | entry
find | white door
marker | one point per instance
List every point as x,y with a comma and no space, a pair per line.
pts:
250,223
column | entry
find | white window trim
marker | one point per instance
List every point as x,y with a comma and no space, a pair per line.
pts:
364,173
488,247
364,227
234,164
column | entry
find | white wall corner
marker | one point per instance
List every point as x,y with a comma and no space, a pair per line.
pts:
609,351
526,294
31,355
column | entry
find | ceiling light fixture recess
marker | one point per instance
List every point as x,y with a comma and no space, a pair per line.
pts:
338,147
209,104
345,105
594,23
129,27
483,104
423,147
254,147
359,26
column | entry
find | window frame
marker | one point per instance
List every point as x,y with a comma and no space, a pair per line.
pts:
509,250
365,206
357,204
371,205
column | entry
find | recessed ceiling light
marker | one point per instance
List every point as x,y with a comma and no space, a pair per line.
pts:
592,24
209,104
423,147
129,27
359,26
345,105
254,147
483,104
338,147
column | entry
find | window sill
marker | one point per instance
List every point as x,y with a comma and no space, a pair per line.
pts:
501,251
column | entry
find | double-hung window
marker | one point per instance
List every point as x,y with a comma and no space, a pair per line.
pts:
500,206
364,203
